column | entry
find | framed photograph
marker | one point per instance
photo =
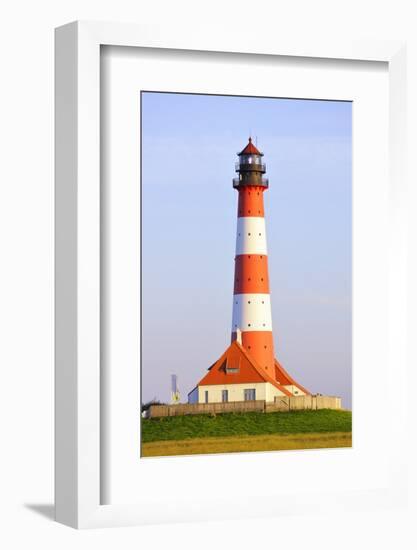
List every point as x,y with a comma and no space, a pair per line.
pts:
306,258
228,220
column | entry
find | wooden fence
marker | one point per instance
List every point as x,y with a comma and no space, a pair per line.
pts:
304,402
281,404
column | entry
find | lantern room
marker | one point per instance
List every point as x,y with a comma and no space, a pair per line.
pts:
250,168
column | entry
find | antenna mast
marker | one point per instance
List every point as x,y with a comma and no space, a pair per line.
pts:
175,392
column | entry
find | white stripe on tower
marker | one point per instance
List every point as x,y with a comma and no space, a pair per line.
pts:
252,312
251,236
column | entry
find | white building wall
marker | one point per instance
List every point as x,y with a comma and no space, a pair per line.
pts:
193,396
272,392
264,391
294,390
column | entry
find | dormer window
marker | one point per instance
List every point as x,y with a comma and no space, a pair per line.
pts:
229,369
232,370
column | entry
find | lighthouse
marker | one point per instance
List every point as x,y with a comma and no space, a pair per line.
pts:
251,319
248,369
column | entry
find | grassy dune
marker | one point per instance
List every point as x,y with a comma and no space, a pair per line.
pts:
235,444
252,423
239,432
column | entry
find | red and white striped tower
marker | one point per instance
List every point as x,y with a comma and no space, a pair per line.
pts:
251,321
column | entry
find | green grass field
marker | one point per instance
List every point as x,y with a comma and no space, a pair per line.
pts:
199,434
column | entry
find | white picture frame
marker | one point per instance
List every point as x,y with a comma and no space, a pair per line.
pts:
78,410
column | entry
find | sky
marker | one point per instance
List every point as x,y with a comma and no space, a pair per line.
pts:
189,149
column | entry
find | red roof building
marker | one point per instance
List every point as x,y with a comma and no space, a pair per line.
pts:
237,370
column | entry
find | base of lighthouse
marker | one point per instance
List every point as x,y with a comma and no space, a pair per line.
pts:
236,376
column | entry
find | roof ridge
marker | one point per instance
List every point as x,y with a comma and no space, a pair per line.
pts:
264,375
290,378
220,358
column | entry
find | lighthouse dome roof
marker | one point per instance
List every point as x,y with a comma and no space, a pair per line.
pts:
250,149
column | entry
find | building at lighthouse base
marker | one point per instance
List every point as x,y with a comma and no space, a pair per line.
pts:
236,376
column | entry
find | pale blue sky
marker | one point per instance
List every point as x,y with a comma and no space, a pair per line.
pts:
189,146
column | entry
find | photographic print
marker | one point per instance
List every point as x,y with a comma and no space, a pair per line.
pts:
246,261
